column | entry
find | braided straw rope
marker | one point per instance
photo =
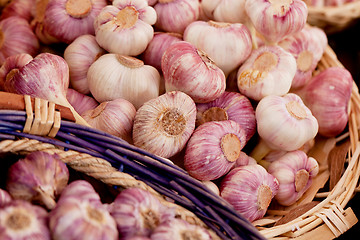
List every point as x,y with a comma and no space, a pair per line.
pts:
334,19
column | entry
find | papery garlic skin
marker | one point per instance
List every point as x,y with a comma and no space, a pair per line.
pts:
231,11
80,102
66,20
327,95
5,198
79,55
295,172
213,149
229,106
80,189
16,37
275,20
21,220
190,70
269,70
285,123
175,15
163,125
125,27
115,76
307,51
157,46
12,65
228,45
40,177
76,218
115,117
250,189
137,212
179,229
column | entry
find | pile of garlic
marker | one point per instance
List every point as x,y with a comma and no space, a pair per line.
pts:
189,80
40,202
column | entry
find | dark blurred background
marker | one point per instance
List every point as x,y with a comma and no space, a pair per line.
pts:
346,45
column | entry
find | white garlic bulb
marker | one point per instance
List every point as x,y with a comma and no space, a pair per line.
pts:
231,11
164,125
115,76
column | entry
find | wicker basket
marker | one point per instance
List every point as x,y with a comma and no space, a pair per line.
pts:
334,19
120,165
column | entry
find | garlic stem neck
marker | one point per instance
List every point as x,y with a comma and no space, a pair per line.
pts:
266,62
296,110
98,110
231,147
218,24
2,38
264,196
94,214
260,151
78,8
10,75
304,60
301,179
47,199
206,59
129,62
127,17
18,220
172,122
214,114
280,7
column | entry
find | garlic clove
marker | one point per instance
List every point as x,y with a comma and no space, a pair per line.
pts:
277,19
228,45
125,27
190,70
164,124
175,15
179,229
40,177
138,213
79,55
80,102
250,189
213,149
269,70
22,220
229,106
115,76
16,37
115,117
295,172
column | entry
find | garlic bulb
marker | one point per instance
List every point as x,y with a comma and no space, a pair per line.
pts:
327,95
21,220
179,229
229,106
294,171
115,117
157,46
175,15
283,123
318,34
228,45
40,177
275,20
115,76
191,71
231,11
16,37
21,8
164,125
307,51
250,190
212,187
80,189
5,198
78,218
137,213
79,55
12,65
66,20
213,149
268,71
80,102
125,27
